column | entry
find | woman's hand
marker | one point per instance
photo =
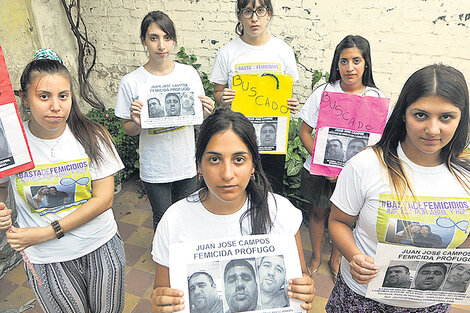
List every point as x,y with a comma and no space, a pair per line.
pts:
227,96
293,105
362,268
302,289
166,299
5,217
207,105
332,179
22,238
135,110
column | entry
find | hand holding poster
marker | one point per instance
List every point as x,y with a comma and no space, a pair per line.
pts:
421,274
15,156
346,124
240,274
263,100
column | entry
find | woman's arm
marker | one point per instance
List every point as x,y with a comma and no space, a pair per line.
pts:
5,213
223,95
465,244
302,288
102,200
164,298
361,265
305,135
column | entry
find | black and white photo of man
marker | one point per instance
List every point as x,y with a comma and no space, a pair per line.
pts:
397,276
172,104
268,135
241,288
430,276
354,146
272,281
458,278
203,297
5,151
155,108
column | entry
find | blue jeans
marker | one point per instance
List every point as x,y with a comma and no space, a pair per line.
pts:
162,195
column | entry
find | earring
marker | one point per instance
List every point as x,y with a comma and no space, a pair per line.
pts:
252,176
199,175
337,69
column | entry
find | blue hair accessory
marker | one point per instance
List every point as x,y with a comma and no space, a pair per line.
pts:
47,54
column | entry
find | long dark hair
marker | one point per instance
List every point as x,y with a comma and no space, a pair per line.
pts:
433,80
162,20
259,187
363,45
241,4
87,132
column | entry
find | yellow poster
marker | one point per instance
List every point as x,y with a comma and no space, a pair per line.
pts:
263,99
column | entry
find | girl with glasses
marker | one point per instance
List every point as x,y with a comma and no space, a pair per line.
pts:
255,51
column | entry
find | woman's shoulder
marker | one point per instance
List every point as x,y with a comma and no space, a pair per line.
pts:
135,74
366,160
278,202
374,92
278,42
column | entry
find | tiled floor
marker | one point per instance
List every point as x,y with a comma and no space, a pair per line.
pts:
134,218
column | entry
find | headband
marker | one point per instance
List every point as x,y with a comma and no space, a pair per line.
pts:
47,54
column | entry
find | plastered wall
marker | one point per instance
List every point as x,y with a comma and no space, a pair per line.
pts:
405,35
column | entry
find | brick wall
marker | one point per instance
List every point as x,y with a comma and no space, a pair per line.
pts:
404,35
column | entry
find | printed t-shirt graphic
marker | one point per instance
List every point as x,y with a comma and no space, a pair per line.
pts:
431,222
57,187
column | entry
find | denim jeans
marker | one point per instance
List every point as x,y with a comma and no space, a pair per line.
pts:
162,195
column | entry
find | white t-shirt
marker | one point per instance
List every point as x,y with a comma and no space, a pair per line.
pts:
166,154
311,108
71,173
189,220
363,190
238,57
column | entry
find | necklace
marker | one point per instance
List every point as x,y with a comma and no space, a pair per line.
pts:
51,147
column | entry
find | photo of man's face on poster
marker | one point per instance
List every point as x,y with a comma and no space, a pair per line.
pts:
268,135
172,104
241,287
5,151
155,108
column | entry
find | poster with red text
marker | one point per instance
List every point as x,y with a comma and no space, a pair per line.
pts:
15,155
346,124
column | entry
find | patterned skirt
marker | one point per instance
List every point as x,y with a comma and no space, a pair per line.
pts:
343,299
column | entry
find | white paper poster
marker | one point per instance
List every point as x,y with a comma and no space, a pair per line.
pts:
176,106
421,274
239,274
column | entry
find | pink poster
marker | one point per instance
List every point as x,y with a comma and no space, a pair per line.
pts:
346,124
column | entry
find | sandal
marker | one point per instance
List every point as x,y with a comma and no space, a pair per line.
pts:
312,273
334,275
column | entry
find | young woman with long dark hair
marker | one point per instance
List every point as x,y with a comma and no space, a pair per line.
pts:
77,257
422,155
235,199
350,72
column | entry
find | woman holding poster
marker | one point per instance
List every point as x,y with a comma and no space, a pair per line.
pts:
256,51
166,154
75,256
420,159
235,199
350,73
